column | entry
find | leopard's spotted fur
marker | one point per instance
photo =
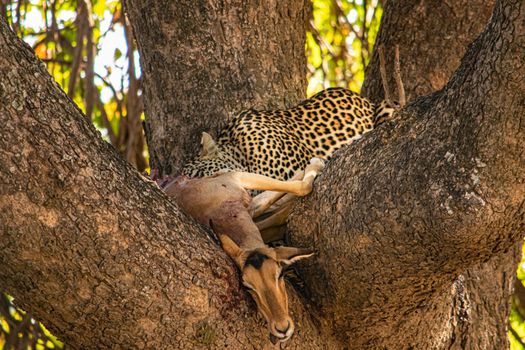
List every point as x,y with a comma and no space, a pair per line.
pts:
277,143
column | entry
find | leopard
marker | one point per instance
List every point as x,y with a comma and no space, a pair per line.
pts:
279,143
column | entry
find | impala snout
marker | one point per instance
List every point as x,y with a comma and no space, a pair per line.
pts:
281,331
262,274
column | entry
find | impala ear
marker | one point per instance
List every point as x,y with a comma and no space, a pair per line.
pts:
289,255
231,248
209,147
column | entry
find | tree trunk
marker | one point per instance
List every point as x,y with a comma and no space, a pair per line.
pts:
95,252
398,217
204,61
432,37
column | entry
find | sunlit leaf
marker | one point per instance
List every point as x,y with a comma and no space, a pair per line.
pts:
118,54
41,51
99,8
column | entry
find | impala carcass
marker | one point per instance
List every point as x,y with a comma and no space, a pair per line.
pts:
223,203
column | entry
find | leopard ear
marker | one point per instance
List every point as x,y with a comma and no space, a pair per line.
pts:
209,147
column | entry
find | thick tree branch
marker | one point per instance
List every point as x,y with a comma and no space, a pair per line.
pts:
432,36
399,215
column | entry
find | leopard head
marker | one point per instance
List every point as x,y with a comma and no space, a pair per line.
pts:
211,159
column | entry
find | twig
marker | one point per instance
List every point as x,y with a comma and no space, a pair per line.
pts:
399,81
56,60
360,35
320,43
516,336
90,64
114,20
77,55
340,15
320,40
364,30
382,70
114,92
17,27
105,119
31,32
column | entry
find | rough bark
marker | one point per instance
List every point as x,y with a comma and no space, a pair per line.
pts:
91,249
204,61
398,217
432,38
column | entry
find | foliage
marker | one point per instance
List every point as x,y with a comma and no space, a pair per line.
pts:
517,313
72,38
339,42
19,330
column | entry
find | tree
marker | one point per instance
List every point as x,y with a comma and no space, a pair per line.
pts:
86,237
403,262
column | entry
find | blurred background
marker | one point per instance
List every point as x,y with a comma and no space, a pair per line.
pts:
88,48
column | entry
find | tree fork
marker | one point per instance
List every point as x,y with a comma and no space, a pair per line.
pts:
89,221
99,255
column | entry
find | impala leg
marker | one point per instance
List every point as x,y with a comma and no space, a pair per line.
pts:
282,201
272,234
276,219
273,228
300,188
264,200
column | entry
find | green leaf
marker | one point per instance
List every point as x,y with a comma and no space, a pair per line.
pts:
118,54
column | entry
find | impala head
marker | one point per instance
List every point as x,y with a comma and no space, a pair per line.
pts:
262,274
